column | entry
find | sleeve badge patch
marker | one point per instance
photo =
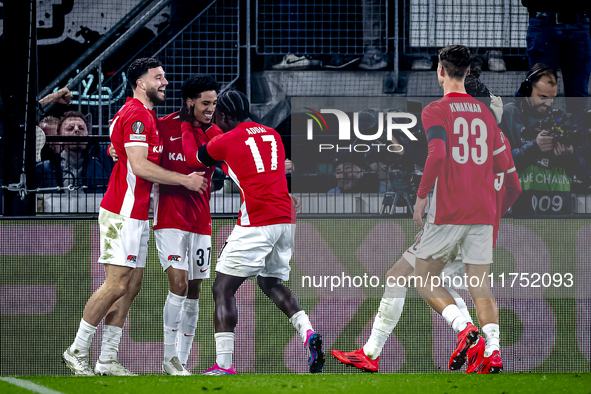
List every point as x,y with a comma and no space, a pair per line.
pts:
137,137
138,127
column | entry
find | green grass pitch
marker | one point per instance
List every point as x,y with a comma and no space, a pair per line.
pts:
322,383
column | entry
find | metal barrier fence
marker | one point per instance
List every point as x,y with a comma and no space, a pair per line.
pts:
321,28
74,172
99,85
208,42
209,45
479,24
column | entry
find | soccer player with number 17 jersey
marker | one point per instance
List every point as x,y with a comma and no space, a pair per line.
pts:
465,152
261,243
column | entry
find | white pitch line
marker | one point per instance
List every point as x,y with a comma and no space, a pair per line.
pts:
30,386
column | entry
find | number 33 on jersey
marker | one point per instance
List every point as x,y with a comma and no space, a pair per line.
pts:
464,190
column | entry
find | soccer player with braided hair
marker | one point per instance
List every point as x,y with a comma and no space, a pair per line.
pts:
261,243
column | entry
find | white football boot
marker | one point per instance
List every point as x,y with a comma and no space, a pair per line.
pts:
111,367
80,365
174,367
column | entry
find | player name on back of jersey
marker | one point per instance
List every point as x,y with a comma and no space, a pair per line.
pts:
256,130
465,107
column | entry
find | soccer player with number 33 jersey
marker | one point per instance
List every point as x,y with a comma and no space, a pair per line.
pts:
465,152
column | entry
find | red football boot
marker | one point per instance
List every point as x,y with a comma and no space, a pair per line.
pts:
475,355
358,359
467,337
492,364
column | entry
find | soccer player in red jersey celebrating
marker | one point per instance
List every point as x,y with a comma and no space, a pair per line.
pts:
507,188
182,220
261,243
123,218
464,144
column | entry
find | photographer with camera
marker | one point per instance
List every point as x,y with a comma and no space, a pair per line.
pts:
542,145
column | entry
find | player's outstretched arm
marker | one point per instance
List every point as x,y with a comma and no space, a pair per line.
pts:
512,190
297,204
435,159
189,145
142,167
419,211
501,155
191,149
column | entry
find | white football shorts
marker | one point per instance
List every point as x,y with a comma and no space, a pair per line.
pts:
452,273
124,241
184,250
444,242
253,251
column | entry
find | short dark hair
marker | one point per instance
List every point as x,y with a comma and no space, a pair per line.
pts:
196,84
71,114
540,70
234,104
455,60
139,67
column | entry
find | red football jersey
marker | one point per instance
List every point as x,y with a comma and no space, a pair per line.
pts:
127,194
463,190
254,158
176,206
507,189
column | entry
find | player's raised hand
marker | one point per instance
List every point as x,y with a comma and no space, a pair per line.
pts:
196,182
186,114
62,96
420,206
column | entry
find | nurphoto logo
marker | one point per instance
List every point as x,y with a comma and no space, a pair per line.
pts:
370,140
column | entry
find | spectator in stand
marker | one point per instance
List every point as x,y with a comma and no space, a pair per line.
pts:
348,176
56,103
48,170
79,163
83,164
49,125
